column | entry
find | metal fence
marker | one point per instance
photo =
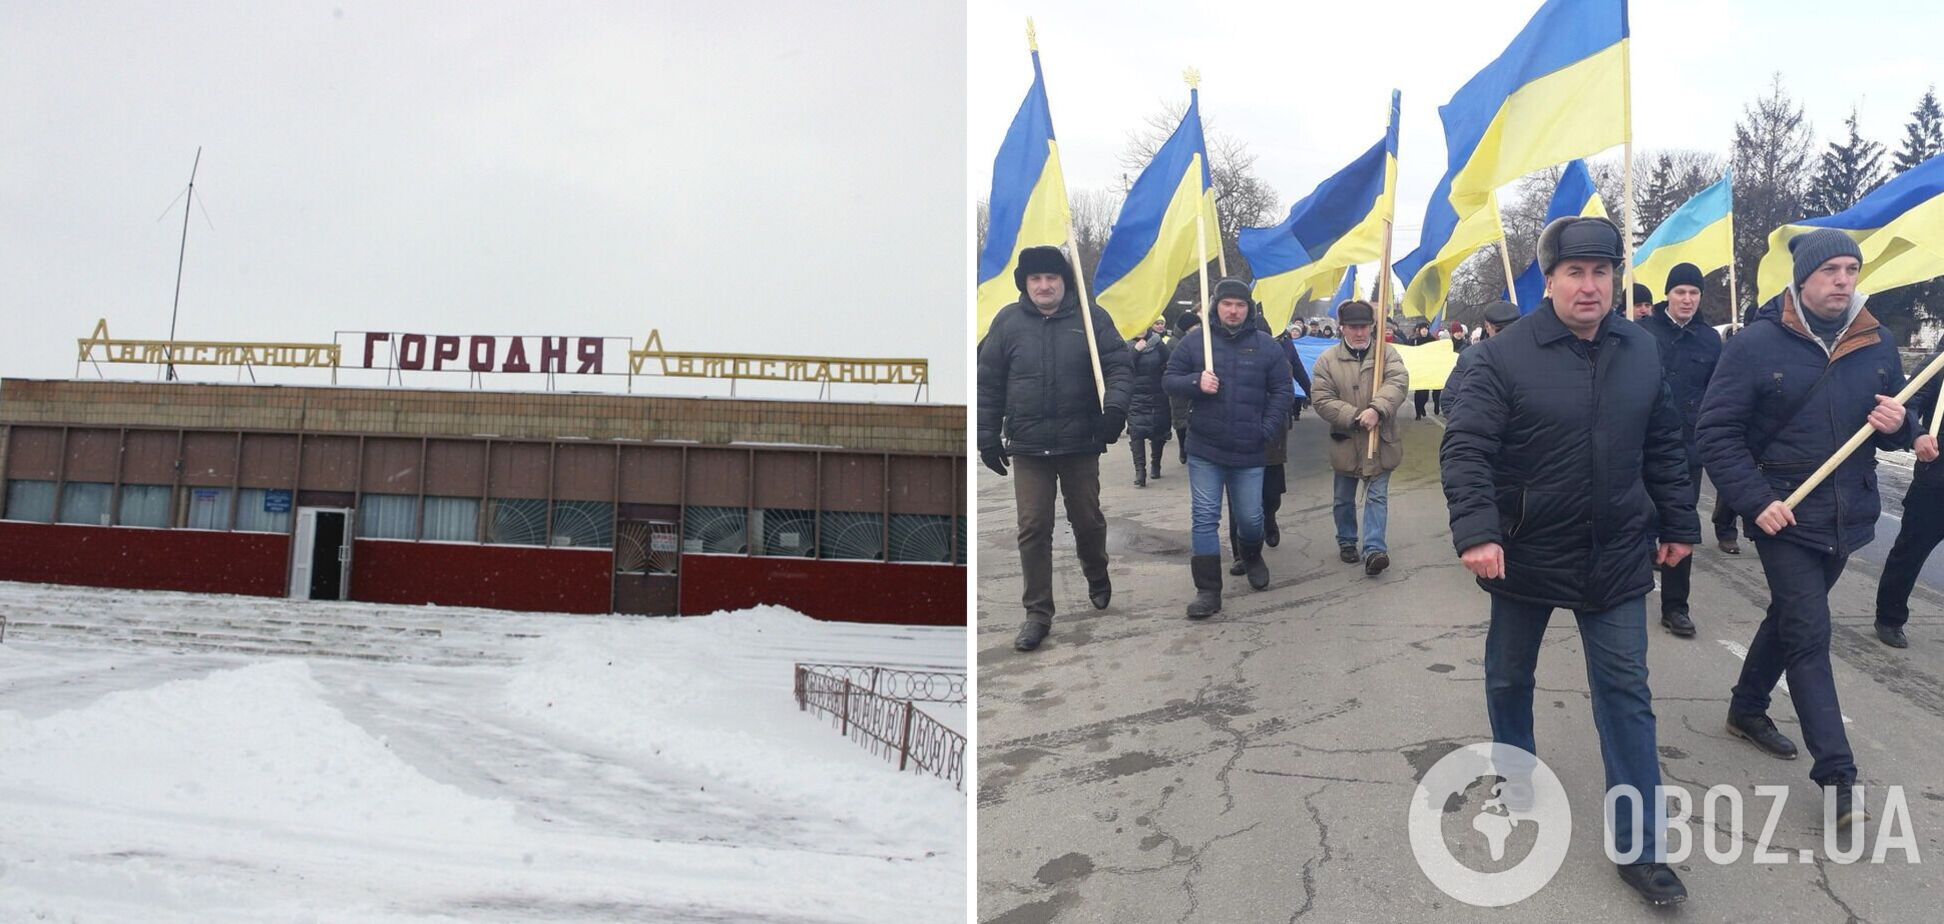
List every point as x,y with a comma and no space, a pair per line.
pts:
893,728
912,683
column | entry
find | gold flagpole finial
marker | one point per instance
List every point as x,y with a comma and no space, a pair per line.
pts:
1032,36
1193,76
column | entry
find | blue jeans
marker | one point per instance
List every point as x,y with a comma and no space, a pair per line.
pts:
1794,640
1376,511
1206,480
1623,710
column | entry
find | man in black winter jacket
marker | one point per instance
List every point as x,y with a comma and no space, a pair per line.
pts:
1567,481
1922,527
1039,410
1792,387
1689,349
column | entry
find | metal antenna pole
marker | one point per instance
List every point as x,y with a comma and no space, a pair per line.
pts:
182,252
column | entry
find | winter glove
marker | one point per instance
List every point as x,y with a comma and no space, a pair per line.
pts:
1112,421
994,458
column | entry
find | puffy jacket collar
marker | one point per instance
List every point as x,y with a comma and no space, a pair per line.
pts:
1862,331
1548,328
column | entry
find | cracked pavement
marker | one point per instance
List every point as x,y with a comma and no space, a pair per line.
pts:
1258,767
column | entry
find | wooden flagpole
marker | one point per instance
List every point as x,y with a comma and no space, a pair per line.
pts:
1193,77
1383,295
1734,297
1079,274
1377,332
1626,164
1910,389
1505,256
1086,314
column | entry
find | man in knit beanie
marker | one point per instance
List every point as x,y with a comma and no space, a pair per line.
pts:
1811,369
1689,350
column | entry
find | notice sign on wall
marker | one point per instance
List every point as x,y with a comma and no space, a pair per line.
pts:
276,501
481,353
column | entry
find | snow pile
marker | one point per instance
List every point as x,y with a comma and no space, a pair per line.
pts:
256,745
713,694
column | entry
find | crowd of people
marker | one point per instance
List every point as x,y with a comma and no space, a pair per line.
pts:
1575,441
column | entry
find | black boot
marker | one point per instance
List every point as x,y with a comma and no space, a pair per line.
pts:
1760,731
1675,618
1181,445
1140,460
1655,882
1207,570
1255,567
1101,593
1158,447
1892,635
1240,564
1271,535
1030,636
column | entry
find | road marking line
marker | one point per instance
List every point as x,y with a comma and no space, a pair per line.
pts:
1741,651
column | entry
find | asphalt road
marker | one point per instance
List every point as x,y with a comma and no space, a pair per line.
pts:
1259,767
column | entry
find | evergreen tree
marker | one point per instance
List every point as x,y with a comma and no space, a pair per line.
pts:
1848,172
1923,134
1771,159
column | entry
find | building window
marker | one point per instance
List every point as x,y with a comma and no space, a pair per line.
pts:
851,535
721,530
85,502
205,508
145,505
921,537
387,516
786,533
961,539
518,522
263,510
452,519
583,524
30,501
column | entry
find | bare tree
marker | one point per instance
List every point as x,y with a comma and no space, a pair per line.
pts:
1242,199
1772,158
1094,211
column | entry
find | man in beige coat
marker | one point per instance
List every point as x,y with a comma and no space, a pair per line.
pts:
1342,396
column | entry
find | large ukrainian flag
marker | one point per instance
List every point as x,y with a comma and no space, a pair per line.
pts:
1152,245
1340,224
1899,227
1558,92
1575,196
1029,200
1701,232
1443,245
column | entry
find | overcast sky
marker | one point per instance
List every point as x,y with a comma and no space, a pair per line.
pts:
745,176
1307,84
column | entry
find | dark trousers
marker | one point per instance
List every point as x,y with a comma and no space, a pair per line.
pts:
1418,399
1272,495
1674,581
1794,640
1724,519
1615,643
1923,528
1035,480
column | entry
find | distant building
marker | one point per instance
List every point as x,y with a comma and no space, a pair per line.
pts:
545,501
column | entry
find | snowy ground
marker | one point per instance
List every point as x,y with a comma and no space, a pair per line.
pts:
169,757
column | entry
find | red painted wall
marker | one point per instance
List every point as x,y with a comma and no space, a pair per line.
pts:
852,591
506,577
145,559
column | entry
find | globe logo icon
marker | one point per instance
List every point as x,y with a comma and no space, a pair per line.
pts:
1489,824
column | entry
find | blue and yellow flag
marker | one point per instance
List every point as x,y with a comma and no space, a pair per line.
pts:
1444,244
1152,245
1899,227
1558,92
1575,196
1029,200
1340,224
1701,232
1345,292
